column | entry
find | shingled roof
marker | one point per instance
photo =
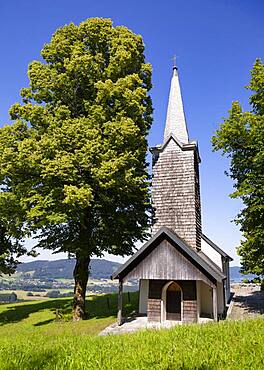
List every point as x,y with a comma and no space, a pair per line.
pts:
175,121
211,271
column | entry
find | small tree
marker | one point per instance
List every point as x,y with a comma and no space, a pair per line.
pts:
75,157
241,138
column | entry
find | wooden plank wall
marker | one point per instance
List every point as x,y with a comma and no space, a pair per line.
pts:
166,263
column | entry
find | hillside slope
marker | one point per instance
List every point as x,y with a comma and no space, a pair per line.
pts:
63,269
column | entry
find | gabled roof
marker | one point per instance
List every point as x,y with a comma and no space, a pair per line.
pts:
216,248
214,274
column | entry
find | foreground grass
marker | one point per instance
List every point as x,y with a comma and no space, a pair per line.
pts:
39,317
29,343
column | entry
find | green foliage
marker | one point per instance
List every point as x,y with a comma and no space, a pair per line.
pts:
256,280
241,138
31,339
11,230
73,163
245,281
11,247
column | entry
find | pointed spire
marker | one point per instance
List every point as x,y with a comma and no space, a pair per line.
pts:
175,121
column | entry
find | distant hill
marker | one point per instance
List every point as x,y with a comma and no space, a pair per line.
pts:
63,269
100,269
236,276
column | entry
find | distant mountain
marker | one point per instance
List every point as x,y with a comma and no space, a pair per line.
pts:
236,276
63,269
100,269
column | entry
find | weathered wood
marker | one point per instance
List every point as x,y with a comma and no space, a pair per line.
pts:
190,311
215,303
165,262
176,192
154,310
120,303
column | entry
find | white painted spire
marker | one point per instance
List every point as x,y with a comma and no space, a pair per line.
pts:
175,121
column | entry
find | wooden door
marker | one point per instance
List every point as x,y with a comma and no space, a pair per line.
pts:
173,302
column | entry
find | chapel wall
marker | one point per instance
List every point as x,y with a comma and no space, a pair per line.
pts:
176,193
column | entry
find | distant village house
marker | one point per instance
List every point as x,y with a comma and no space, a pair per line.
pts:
8,297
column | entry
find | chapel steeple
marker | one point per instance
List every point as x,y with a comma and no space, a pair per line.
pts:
175,175
175,121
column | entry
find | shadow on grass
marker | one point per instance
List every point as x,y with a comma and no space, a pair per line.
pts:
38,360
97,306
17,312
45,322
252,303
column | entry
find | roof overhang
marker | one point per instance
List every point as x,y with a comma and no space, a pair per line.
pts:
192,145
216,248
165,233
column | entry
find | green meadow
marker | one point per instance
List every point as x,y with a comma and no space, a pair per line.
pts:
31,338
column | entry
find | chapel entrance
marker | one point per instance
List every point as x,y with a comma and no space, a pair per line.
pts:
173,302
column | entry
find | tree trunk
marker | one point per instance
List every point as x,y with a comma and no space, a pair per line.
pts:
80,275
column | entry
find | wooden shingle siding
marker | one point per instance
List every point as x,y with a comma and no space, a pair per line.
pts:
154,309
197,205
190,311
176,193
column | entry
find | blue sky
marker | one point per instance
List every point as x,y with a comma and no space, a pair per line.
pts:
216,43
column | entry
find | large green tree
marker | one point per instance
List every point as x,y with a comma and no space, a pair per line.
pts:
75,156
241,138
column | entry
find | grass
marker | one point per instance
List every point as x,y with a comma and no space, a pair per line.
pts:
35,317
30,339
22,294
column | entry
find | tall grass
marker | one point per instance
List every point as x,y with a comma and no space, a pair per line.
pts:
66,345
